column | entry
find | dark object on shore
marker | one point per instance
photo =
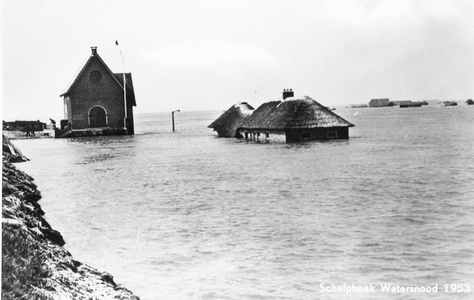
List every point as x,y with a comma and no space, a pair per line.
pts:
29,131
450,103
53,123
469,102
99,98
23,125
290,119
63,125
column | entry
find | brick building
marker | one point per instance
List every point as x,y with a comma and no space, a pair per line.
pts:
96,98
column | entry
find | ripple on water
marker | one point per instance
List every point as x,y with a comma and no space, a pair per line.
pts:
188,215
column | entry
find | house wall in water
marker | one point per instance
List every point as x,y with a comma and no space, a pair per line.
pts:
263,135
329,133
295,135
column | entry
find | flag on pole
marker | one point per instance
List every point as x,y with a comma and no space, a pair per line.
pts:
124,87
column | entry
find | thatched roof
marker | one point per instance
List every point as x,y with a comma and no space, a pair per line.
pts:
228,123
293,113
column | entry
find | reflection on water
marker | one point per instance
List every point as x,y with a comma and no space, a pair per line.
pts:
188,215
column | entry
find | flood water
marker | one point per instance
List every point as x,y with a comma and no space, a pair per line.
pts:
187,215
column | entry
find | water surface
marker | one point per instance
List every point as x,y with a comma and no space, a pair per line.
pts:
187,215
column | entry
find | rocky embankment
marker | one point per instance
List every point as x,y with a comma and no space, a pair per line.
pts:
34,263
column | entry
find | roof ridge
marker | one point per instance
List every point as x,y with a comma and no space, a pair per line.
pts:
95,54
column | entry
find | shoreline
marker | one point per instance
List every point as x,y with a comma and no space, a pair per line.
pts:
34,262
20,135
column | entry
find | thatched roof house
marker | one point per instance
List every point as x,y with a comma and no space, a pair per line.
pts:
289,119
228,123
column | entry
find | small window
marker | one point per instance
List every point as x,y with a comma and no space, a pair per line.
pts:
306,136
332,134
95,76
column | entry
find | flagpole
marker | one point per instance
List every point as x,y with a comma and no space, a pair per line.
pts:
124,87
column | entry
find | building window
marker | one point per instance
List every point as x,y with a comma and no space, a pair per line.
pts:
332,134
306,136
95,76
65,108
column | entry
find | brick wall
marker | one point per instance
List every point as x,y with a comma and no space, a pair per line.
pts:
104,92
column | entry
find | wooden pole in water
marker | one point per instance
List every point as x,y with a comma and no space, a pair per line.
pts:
124,87
172,117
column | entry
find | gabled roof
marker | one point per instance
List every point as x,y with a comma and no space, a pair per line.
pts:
293,113
119,82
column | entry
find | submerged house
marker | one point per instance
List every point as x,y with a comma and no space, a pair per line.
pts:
289,119
99,101
230,121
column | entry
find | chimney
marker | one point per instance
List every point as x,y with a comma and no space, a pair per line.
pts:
94,50
288,93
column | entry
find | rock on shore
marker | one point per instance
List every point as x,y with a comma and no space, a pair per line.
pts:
34,263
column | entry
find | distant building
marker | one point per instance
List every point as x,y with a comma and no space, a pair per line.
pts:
450,103
357,106
96,98
432,102
469,102
290,119
382,102
405,103
24,125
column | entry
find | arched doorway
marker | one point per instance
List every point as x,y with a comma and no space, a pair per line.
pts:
97,117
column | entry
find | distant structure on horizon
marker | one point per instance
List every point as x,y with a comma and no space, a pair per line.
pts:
385,102
97,103
290,119
379,102
407,103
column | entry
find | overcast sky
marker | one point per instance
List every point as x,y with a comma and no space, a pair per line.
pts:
207,55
